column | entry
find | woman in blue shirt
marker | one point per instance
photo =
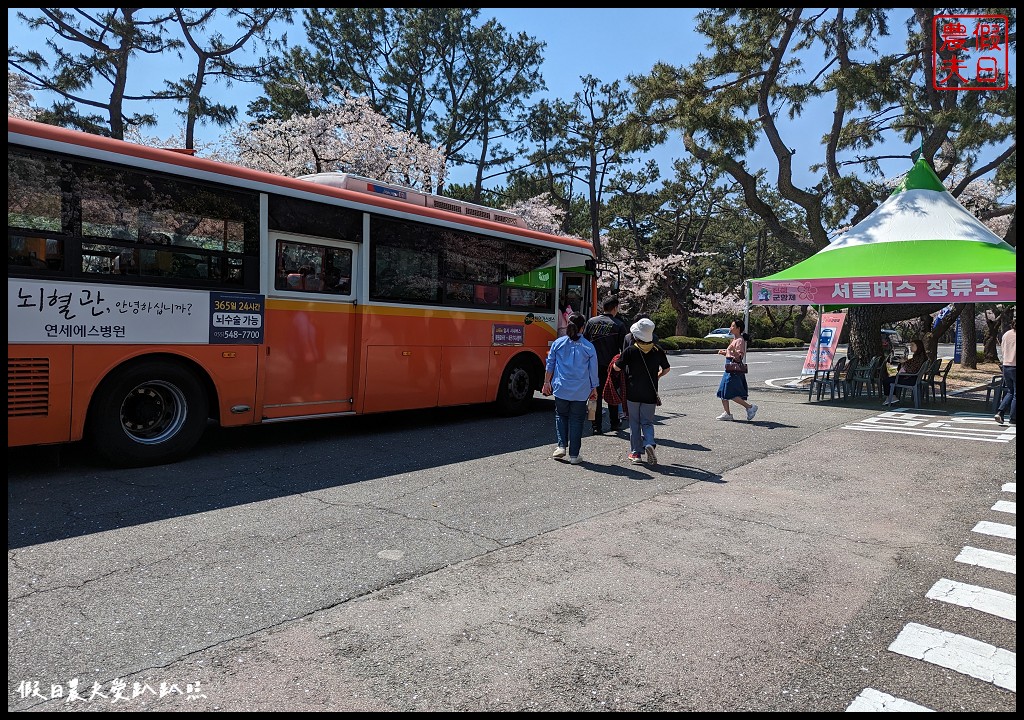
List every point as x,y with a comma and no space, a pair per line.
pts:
571,376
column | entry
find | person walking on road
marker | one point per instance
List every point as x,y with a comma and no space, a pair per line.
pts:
734,384
1009,361
571,376
645,363
607,333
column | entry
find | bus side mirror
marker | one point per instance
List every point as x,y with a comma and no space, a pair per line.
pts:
591,265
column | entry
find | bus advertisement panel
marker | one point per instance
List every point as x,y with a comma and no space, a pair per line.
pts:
40,311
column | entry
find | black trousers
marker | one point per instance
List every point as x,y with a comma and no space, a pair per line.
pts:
613,410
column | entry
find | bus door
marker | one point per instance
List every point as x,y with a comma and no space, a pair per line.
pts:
310,358
574,292
575,284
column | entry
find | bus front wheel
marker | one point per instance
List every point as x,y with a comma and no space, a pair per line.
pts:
149,413
515,393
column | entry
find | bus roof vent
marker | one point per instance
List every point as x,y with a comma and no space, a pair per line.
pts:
360,184
444,205
357,183
470,210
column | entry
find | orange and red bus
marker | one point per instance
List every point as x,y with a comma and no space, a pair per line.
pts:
151,292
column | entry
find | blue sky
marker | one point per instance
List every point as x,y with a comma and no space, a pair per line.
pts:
609,44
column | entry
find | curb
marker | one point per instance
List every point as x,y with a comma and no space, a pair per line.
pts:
714,351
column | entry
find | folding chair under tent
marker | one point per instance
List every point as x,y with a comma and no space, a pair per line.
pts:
919,246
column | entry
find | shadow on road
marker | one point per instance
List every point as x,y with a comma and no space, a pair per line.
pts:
60,492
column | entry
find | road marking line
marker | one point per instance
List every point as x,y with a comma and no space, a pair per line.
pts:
907,414
793,384
998,529
1006,506
986,600
702,372
920,433
871,700
988,559
956,652
925,423
1010,487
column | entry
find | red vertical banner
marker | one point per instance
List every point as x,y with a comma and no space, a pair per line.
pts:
822,352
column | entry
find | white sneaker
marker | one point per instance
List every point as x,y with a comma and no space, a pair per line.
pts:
751,412
574,459
559,452
724,416
651,457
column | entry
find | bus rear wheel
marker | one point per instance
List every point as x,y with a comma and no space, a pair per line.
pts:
515,393
149,413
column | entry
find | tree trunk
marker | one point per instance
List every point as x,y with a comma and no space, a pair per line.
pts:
798,323
991,340
932,337
865,331
969,358
1005,318
682,315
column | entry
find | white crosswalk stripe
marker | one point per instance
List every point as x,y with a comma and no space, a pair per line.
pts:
956,652
1006,506
988,559
871,700
993,602
996,529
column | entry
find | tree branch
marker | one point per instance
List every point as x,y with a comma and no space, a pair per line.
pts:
968,179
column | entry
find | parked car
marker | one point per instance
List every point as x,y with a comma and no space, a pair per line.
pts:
723,333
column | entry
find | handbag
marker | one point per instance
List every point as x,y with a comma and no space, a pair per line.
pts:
736,367
657,397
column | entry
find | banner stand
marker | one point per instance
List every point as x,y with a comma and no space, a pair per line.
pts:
815,349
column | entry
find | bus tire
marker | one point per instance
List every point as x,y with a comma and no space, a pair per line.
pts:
515,392
148,413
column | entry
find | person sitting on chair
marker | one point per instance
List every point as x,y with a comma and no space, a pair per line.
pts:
907,373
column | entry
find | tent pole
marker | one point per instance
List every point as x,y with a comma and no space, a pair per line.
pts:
816,349
746,309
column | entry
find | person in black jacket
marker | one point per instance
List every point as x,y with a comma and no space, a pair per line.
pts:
607,333
645,363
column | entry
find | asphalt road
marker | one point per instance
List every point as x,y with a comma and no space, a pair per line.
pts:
441,560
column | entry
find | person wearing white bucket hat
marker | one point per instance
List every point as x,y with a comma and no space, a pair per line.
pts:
645,362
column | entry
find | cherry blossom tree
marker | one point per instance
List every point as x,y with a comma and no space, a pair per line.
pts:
19,97
717,303
346,135
540,213
176,141
647,281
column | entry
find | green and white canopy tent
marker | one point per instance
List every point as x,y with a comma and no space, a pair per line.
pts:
919,246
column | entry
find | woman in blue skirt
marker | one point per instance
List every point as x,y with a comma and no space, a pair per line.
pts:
734,385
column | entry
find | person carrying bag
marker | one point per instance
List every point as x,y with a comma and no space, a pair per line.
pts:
734,380
645,362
